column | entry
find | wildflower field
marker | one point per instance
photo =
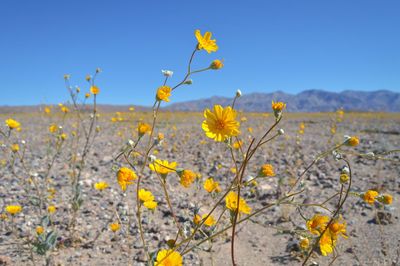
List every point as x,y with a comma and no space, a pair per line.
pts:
84,187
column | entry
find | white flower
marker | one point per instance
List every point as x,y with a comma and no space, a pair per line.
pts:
167,73
152,158
131,142
238,93
345,170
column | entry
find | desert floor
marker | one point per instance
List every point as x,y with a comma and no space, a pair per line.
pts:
266,239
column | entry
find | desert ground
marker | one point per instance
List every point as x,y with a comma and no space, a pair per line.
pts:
269,238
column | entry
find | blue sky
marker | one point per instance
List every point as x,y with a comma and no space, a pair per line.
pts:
266,46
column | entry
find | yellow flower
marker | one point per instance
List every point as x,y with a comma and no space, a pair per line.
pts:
187,178
88,78
63,136
150,204
267,170
145,195
304,243
100,186
47,110
163,167
87,95
53,128
39,230
160,136
386,199
344,178
143,128
12,124
94,90
15,147
115,227
338,228
13,209
210,185
51,209
278,106
64,109
131,109
221,123
369,196
317,224
232,204
163,93
353,141
216,64
197,219
205,42
327,243
250,129
125,176
237,144
302,126
168,258
210,221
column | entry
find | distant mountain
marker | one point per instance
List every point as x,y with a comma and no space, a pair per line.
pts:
306,101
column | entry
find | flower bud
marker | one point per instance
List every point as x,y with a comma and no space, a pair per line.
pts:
281,131
188,82
238,93
167,73
217,64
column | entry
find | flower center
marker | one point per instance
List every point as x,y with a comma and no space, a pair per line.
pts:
220,124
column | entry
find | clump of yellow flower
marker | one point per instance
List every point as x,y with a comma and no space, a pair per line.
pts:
353,141
220,123
143,128
147,198
168,258
94,90
51,209
163,93
231,202
266,170
370,196
100,186
125,177
12,124
210,185
13,209
163,167
318,225
205,42
187,177
115,227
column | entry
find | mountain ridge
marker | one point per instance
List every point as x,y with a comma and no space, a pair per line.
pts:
306,101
